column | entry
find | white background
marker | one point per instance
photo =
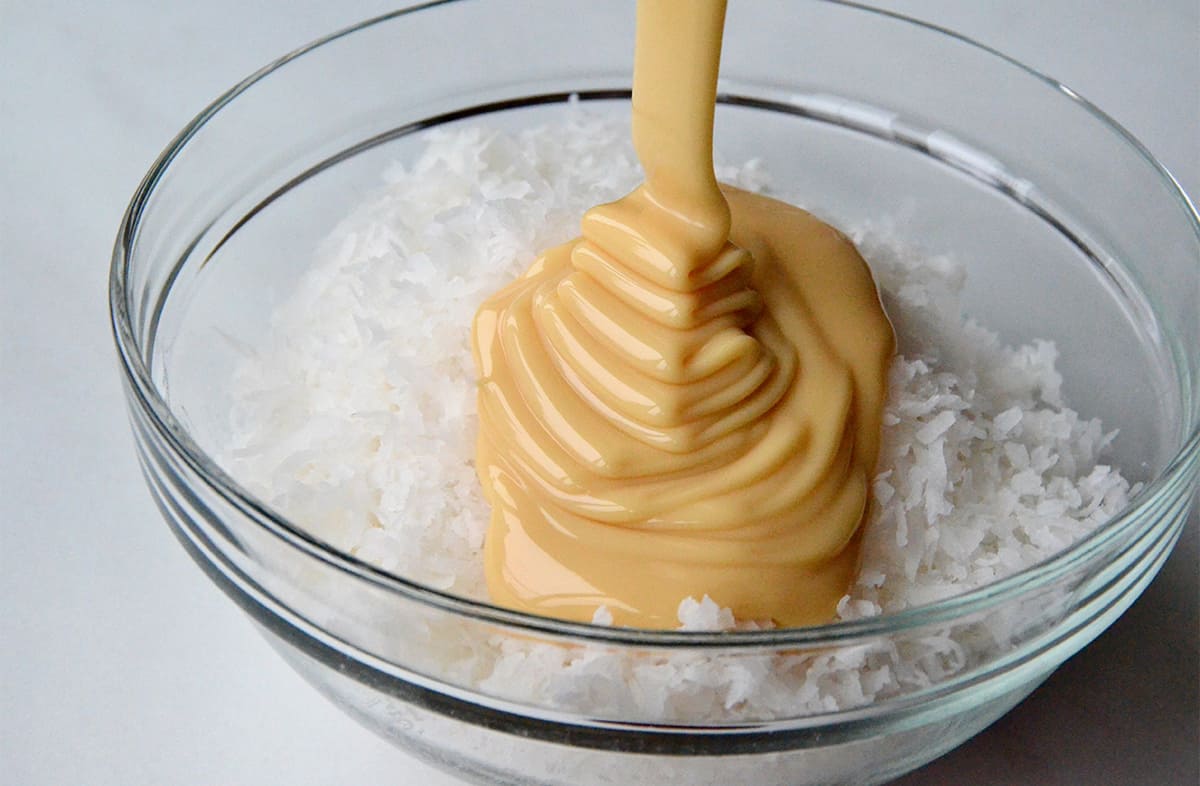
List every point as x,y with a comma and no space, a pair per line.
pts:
122,665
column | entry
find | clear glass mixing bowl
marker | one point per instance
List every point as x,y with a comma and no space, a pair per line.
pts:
1072,232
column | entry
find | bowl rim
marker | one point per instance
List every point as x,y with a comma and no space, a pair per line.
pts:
141,389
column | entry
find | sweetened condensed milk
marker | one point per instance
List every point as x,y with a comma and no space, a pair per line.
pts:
686,400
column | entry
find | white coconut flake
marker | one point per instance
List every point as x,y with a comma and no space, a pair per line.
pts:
356,419
603,616
704,615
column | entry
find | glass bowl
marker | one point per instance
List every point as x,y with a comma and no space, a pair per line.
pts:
1070,229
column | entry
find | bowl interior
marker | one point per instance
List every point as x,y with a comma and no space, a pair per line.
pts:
1029,275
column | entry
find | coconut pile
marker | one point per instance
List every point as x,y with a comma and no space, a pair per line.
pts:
356,419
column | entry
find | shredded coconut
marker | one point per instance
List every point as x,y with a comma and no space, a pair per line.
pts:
357,421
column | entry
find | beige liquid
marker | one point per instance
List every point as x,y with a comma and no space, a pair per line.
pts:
686,400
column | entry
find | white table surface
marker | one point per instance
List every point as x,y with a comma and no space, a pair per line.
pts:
121,664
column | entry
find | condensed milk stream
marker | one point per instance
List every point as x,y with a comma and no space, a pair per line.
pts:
687,399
